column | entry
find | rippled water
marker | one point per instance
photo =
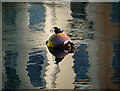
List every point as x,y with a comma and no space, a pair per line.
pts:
28,64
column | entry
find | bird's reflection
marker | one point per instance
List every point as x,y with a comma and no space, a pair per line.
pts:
58,53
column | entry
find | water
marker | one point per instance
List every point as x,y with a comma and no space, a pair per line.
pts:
27,62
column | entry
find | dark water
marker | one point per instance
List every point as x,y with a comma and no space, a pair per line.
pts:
93,27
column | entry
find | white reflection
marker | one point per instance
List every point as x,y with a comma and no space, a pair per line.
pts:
66,76
92,50
57,14
53,75
93,69
50,67
22,46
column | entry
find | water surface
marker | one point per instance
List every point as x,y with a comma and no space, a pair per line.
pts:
27,62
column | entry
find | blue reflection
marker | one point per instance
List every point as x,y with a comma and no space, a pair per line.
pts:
115,18
116,63
115,12
35,68
81,65
78,10
8,13
36,14
11,79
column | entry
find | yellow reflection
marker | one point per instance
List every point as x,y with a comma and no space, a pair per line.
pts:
58,16
21,38
66,76
51,65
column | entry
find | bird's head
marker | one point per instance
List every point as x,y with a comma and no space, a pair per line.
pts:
57,30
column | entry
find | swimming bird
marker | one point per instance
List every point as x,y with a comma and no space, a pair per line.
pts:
60,40
59,44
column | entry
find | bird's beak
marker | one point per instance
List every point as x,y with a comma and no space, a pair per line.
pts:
69,46
53,27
